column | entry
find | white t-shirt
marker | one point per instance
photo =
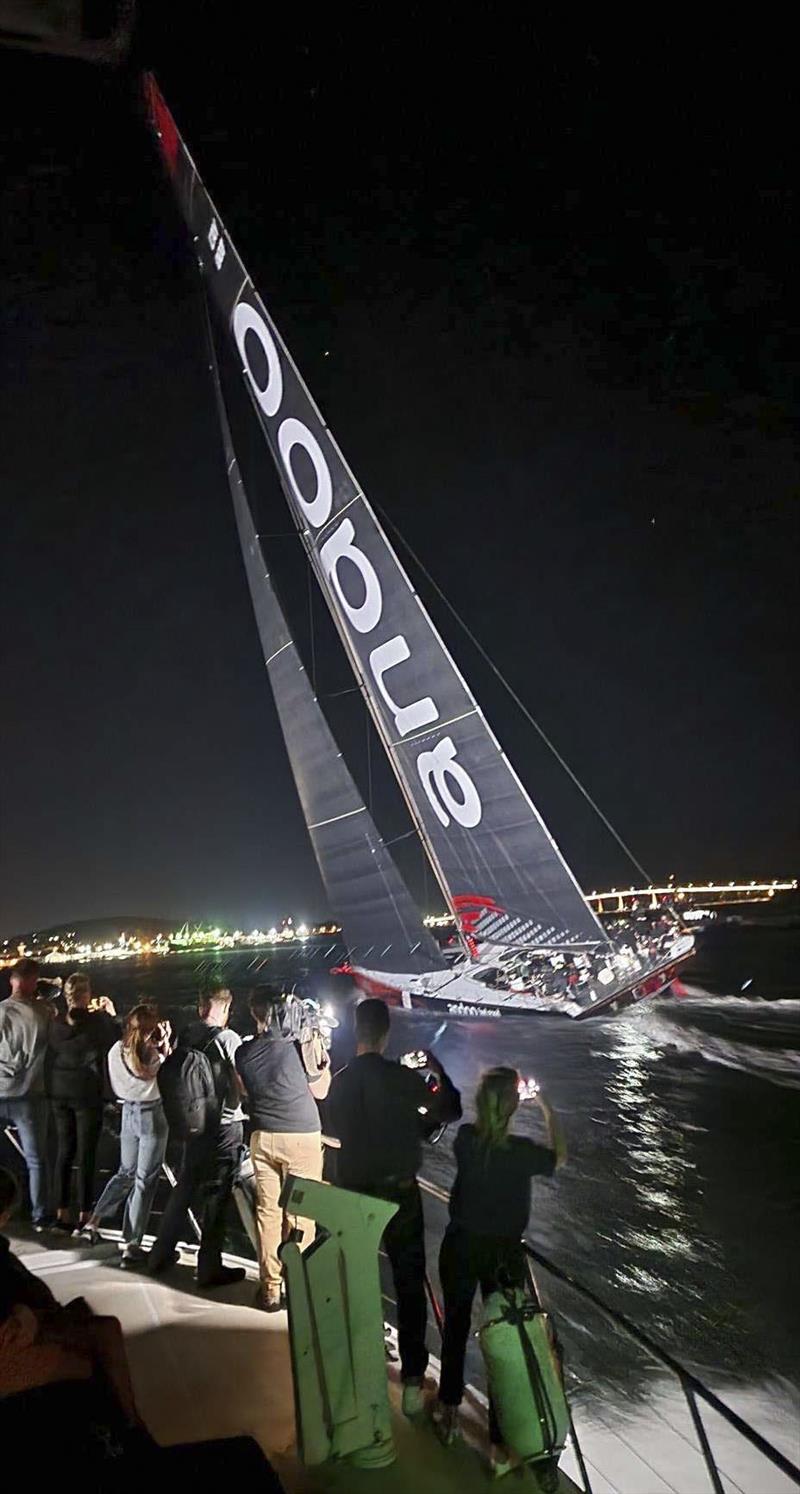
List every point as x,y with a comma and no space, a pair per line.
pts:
127,1085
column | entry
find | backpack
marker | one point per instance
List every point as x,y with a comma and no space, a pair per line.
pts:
192,1088
525,1377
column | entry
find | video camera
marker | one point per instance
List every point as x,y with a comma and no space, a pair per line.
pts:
304,1019
49,989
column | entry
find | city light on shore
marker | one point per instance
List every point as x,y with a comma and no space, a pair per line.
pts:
190,937
56,948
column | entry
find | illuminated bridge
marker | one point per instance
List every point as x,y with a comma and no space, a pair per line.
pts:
693,894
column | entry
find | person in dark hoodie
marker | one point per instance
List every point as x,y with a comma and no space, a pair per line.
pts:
381,1112
210,1159
75,1081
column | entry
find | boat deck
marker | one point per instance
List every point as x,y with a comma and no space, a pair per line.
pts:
208,1365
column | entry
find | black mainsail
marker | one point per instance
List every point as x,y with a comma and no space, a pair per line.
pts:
499,868
381,922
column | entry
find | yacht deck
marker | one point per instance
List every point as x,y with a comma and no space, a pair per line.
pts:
208,1365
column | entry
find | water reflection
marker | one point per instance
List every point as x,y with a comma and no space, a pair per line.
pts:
659,1171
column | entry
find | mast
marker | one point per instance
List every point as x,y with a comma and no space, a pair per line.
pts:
499,868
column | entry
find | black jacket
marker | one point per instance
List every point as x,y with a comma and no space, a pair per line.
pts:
381,1112
75,1064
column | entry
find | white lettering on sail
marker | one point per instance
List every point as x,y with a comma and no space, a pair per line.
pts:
447,785
293,433
434,768
246,319
340,547
406,718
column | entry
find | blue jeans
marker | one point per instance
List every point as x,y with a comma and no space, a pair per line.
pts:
29,1114
143,1142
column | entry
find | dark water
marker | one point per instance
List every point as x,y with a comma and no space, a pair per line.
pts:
679,1204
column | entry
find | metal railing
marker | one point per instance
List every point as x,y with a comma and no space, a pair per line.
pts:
693,1388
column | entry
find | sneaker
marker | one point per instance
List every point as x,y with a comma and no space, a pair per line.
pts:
39,1226
87,1235
268,1302
413,1398
224,1276
445,1423
133,1260
157,1268
499,1462
61,1227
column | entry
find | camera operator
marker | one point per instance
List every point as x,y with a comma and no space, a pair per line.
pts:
281,1073
381,1112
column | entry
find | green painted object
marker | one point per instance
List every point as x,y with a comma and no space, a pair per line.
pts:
524,1375
336,1326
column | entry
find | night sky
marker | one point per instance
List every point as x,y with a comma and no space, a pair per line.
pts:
539,281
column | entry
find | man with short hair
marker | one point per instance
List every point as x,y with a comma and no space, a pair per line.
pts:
24,1025
381,1113
281,1088
211,1159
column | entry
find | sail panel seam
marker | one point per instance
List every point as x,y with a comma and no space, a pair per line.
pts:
346,816
278,650
332,520
438,726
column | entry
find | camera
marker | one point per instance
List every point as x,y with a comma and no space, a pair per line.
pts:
418,1060
304,1019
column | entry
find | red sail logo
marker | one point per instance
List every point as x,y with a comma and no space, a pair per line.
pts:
164,125
470,907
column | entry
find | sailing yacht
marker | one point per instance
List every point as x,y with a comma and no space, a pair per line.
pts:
528,939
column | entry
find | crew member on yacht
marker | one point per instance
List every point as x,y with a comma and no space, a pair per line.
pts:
380,1112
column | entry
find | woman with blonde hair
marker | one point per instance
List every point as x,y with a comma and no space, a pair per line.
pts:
133,1065
489,1207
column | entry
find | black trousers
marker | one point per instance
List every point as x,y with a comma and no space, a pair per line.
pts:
466,1262
78,1130
206,1177
404,1242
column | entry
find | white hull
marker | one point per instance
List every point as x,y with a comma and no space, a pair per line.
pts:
462,995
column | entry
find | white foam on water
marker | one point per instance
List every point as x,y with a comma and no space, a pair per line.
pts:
685,1025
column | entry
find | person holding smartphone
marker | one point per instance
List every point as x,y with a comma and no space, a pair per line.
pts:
489,1207
133,1065
382,1112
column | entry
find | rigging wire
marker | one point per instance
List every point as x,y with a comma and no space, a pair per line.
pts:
313,659
369,752
514,696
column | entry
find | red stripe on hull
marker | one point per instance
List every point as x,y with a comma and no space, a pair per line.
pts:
372,987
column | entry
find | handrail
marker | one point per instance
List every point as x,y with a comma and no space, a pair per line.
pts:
689,1382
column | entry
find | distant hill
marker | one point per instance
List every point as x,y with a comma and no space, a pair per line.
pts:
98,930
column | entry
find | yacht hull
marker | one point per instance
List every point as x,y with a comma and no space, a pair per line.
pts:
462,995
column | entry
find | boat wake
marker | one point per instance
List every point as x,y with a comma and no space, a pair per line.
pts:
761,1038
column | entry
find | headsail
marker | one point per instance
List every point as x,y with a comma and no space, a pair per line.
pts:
497,863
381,923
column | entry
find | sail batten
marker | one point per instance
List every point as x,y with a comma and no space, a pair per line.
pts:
499,868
